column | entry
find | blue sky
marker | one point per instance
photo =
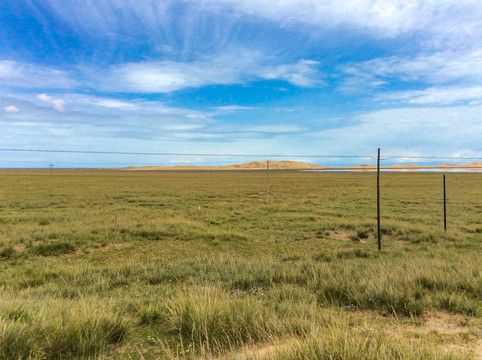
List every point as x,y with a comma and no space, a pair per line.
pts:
289,77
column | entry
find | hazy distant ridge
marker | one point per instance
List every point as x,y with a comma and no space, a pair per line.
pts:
294,165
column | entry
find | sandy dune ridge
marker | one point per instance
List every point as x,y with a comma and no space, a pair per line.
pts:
294,165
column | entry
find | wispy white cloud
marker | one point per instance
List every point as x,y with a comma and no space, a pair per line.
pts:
130,107
234,108
436,68
110,17
162,127
22,74
58,104
88,102
229,68
452,22
439,24
360,83
456,75
425,131
435,96
443,22
11,109
303,73
113,104
275,129
236,67
107,114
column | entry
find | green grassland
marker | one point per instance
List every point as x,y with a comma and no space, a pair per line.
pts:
195,265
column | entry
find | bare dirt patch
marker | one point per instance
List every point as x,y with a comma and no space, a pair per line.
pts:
20,247
478,350
261,351
455,329
444,323
454,332
23,247
341,234
109,246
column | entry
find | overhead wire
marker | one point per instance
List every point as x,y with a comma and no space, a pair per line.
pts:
182,154
95,152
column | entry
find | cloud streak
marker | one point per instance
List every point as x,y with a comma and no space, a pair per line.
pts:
228,69
435,96
436,68
12,109
440,78
23,74
439,21
57,104
289,129
425,131
233,108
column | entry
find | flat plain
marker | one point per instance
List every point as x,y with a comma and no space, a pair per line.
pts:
197,265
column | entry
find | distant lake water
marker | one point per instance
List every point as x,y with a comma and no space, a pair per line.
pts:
398,170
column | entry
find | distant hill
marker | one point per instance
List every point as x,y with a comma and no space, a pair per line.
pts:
254,165
294,165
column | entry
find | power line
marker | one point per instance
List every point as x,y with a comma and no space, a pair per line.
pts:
388,157
126,163
430,157
182,154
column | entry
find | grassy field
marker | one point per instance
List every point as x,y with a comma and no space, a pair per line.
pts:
193,265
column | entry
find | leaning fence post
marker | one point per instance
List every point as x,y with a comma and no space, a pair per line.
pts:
445,206
267,174
379,234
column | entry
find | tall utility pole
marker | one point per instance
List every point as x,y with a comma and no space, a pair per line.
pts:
379,234
267,175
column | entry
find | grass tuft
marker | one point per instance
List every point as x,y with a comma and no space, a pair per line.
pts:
7,252
55,248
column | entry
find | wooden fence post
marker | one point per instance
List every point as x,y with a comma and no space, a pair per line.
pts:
267,174
379,234
445,206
